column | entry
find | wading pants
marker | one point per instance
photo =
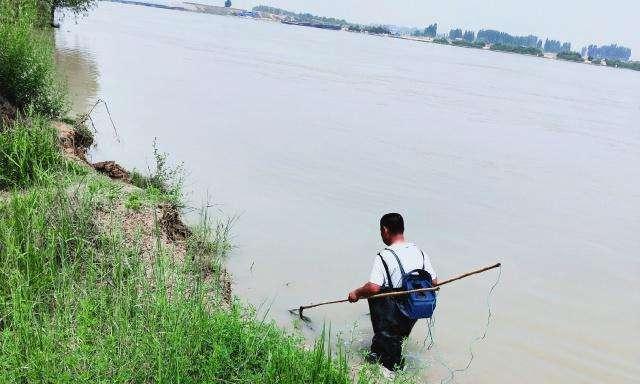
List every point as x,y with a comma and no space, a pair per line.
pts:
390,328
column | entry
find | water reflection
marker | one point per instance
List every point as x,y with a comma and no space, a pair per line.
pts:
78,67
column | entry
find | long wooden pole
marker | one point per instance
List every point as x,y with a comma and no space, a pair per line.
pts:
403,293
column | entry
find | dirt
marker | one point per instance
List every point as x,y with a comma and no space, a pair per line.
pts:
150,227
7,111
172,224
69,141
113,170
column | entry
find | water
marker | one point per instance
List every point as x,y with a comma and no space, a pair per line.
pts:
311,135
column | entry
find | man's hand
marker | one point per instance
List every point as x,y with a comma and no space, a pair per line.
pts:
367,290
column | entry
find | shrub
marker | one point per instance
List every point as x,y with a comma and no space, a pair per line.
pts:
27,67
29,153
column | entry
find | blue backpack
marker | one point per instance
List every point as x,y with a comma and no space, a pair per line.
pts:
419,305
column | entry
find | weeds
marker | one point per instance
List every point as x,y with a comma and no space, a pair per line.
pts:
78,306
29,153
27,67
165,179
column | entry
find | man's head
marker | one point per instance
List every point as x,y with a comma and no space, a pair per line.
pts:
391,228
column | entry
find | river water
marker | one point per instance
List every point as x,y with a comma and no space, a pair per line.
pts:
310,135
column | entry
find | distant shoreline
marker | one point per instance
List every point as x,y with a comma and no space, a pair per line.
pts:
381,31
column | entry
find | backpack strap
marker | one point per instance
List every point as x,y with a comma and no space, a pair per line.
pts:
397,259
386,268
422,258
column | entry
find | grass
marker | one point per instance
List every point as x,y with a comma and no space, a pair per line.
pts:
77,304
27,67
164,180
29,154
83,302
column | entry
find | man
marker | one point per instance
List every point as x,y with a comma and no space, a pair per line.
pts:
390,326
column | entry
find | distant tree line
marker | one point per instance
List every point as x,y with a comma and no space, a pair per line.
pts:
635,65
455,34
534,51
469,36
375,29
300,17
570,56
499,41
607,52
430,31
555,46
496,37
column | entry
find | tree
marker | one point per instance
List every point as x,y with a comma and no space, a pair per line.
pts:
227,3
612,52
76,6
431,30
469,36
455,34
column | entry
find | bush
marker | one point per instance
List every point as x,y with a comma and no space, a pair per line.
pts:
80,305
164,178
29,153
27,67
570,56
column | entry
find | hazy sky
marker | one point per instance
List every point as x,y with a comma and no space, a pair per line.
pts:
580,22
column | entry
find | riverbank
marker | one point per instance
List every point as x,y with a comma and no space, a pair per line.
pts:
101,279
265,13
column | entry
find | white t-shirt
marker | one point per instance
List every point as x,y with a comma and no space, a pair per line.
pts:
411,258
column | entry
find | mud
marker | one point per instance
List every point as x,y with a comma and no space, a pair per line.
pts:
113,170
72,143
171,223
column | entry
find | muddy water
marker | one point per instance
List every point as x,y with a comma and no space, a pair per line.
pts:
311,135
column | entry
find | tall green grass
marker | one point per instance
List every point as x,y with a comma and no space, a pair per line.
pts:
78,305
27,67
29,153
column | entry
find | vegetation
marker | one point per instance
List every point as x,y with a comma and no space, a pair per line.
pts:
27,68
87,293
29,154
464,43
555,46
430,31
504,39
469,36
376,29
610,52
634,65
455,34
300,17
441,40
570,56
513,49
76,6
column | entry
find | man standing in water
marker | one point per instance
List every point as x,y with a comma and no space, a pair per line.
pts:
390,326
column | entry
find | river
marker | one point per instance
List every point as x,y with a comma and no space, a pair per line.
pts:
310,135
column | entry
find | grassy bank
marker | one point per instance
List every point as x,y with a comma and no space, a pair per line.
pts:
97,284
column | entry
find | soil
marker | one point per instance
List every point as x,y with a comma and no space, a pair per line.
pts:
71,146
172,224
7,112
113,170
149,227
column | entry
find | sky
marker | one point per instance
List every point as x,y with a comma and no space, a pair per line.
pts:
579,21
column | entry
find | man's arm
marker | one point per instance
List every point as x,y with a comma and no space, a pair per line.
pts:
367,290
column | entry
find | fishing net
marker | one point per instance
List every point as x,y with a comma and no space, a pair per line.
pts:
429,343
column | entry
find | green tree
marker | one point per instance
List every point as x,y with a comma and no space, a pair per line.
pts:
76,6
